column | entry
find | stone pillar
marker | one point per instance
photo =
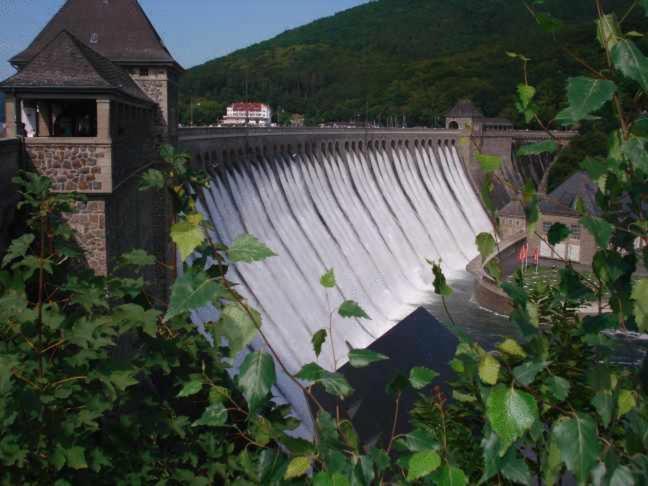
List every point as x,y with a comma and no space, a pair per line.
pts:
43,119
103,119
11,116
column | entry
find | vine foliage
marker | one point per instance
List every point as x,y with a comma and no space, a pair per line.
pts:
99,386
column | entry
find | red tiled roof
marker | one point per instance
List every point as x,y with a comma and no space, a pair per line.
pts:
242,106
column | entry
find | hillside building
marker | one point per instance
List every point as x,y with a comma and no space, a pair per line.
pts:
248,114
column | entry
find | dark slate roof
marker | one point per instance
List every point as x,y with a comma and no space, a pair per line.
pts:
116,29
578,185
513,209
465,109
67,63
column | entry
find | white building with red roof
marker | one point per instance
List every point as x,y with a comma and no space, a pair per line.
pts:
248,114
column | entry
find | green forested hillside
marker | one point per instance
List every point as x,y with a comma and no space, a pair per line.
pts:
394,58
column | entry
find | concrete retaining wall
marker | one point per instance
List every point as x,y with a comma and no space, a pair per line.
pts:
487,293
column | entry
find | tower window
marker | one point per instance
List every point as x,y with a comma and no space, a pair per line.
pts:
144,71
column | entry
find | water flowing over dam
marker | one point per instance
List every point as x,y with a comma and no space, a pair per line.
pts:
374,213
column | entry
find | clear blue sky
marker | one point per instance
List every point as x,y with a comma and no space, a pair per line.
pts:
194,30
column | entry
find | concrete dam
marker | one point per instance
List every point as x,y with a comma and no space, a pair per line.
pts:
373,205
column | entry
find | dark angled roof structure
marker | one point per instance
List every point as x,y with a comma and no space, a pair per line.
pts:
513,209
465,109
116,29
578,185
68,64
562,200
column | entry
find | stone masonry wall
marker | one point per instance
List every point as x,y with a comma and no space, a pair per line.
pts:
157,85
73,165
89,223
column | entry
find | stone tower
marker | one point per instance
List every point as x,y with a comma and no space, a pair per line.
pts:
120,31
464,116
94,97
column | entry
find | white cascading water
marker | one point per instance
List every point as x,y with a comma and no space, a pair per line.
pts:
374,216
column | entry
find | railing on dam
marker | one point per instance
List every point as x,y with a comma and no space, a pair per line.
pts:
217,145
199,133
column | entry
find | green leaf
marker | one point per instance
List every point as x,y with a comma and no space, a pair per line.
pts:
588,95
138,258
635,150
548,22
214,416
600,229
450,476
512,348
193,290
622,476
421,377
188,234
349,434
531,209
486,245
489,369
330,479
463,398
350,309
137,317
596,168
552,466
628,59
240,324
608,31
515,469
644,5
152,179
297,467
489,163
318,340
76,458
626,402
328,279
57,458
548,146
18,248
558,387
361,358
248,249
526,373
640,297
557,233
510,413
256,379
440,285
334,383
422,464
190,388
579,444
526,93
420,440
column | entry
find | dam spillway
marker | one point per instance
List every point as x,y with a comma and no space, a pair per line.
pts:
374,212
